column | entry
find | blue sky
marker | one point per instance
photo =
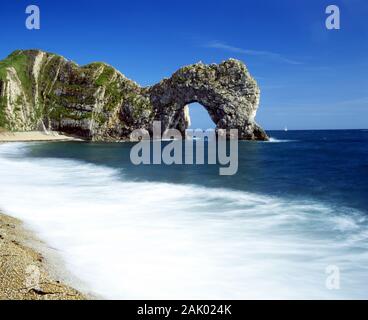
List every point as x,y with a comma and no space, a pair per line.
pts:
310,77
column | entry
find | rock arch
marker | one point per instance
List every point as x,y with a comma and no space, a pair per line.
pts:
97,102
227,91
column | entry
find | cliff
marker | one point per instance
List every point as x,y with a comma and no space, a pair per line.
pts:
43,90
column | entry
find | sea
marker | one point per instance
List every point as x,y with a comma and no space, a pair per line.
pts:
291,224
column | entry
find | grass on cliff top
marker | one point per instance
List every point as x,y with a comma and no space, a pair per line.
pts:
105,76
20,62
17,60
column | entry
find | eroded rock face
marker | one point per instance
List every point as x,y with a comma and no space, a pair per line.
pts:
97,102
227,91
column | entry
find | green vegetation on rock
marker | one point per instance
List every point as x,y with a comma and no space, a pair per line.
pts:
97,102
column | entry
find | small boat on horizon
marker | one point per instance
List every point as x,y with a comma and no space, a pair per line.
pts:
286,129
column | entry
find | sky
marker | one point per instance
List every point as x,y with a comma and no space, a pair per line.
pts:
310,77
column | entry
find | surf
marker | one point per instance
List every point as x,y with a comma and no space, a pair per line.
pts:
155,240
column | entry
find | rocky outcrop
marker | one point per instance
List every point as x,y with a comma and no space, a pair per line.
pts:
227,91
99,103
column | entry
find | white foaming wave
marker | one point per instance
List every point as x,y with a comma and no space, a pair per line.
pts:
274,140
143,240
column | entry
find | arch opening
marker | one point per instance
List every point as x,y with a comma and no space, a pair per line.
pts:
199,117
227,91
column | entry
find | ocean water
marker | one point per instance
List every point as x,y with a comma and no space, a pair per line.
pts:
298,205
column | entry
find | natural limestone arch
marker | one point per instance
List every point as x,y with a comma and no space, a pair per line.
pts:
227,91
97,102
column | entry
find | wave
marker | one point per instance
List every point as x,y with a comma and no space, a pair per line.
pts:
144,240
274,140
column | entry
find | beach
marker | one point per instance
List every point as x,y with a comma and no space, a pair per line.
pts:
6,136
24,271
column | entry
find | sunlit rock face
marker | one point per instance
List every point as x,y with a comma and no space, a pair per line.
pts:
97,102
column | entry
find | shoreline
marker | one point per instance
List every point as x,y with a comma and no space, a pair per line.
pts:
35,136
29,270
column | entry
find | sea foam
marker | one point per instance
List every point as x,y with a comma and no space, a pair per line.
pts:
274,140
145,240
